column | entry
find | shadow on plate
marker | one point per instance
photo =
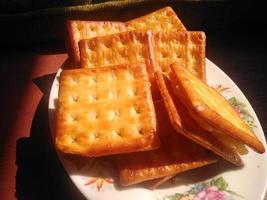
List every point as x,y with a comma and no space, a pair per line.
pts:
40,174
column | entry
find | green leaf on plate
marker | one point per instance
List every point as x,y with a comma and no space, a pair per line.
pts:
220,183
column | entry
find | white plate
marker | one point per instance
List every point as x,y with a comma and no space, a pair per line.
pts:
96,180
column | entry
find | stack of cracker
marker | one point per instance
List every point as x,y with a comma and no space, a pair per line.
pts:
138,94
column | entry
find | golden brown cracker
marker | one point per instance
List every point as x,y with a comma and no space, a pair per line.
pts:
186,48
79,30
214,111
185,125
162,20
116,49
104,111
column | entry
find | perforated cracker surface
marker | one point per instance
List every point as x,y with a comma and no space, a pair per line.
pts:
116,49
162,20
188,49
79,30
105,111
122,48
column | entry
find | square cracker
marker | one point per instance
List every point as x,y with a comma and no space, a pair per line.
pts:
79,30
176,154
186,48
162,20
105,111
185,125
121,48
116,49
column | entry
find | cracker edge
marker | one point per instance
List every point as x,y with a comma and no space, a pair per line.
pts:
158,11
175,119
228,128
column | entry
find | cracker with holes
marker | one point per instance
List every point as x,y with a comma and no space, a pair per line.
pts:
105,111
116,49
212,111
185,125
79,30
162,20
175,155
122,48
186,48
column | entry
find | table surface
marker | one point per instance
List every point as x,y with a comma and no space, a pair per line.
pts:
29,168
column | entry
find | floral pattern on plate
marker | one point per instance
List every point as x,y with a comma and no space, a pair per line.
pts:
98,168
214,189
239,107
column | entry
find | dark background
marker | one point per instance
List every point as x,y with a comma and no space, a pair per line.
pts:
236,42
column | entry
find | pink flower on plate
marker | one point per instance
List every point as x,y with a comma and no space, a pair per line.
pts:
210,193
238,110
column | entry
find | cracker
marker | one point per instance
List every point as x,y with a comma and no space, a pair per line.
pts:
105,111
116,49
212,109
185,125
176,154
186,48
162,20
79,30
121,48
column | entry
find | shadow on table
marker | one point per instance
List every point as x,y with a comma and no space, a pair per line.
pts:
39,172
